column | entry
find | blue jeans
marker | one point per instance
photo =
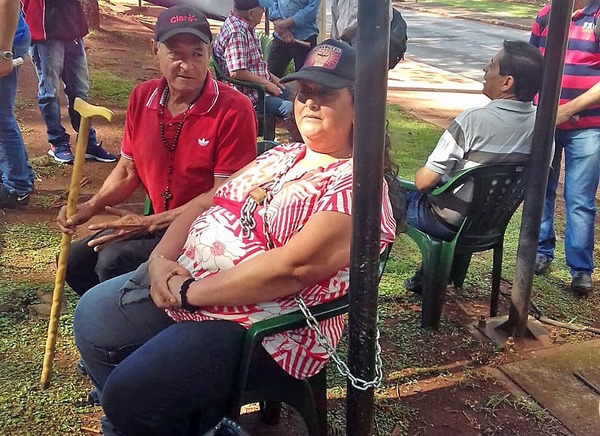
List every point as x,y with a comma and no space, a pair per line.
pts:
17,175
58,60
419,214
582,170
155,376
279,105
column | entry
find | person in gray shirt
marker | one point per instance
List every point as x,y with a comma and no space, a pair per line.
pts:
501,131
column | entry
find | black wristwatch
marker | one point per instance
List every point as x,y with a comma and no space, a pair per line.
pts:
183,290
7,55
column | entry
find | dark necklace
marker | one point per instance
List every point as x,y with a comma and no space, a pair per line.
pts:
166,194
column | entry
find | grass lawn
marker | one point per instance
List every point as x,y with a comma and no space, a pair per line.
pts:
410,354
500,8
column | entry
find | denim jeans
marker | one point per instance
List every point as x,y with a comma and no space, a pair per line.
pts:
155,376
279,105
420,215
57,61
582,170
17,175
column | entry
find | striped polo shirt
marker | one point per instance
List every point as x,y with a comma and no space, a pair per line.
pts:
582,59
500,132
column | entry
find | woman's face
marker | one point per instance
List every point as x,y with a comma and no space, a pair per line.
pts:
324,117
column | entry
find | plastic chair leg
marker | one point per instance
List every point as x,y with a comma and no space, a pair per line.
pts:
496,277
269,412
436,271
460,266
269,127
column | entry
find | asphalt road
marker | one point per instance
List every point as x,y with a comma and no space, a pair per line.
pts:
456,45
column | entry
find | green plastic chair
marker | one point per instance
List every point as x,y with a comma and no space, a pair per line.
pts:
497,192
308,397
266,122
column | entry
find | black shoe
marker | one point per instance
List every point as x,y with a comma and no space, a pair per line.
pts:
93,399
12,201
542,263
413,284
581,283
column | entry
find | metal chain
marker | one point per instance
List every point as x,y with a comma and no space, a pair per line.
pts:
341,366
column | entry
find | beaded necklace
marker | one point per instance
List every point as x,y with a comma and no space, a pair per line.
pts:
166,194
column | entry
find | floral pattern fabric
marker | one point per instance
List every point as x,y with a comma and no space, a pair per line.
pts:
216,242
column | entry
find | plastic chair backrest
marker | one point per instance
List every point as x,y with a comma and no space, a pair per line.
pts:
498,191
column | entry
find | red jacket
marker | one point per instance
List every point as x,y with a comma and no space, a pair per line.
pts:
55,19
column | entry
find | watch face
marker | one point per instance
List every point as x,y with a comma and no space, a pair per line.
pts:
7,54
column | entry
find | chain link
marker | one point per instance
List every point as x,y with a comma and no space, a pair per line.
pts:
341,366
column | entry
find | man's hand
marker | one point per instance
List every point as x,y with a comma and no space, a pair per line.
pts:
129,225
6,67
273,88
286,36
82,214
348,34
283,25
166,277
565,114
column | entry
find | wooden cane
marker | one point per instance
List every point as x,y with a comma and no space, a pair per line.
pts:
87,112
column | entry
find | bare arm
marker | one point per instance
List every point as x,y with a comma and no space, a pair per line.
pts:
270,86
426,179
315,253
9,17
572,108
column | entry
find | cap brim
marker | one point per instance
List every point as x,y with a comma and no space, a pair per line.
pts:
323,78
203,36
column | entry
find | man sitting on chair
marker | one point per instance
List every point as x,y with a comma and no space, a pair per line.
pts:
184,135
239,54
500,132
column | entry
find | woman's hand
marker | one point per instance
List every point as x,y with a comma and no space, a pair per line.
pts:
166,277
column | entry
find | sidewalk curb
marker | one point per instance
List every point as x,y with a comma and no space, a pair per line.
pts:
463,15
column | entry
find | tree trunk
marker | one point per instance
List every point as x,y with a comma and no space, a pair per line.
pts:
92,11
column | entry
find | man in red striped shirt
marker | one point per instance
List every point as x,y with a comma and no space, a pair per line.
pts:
578,137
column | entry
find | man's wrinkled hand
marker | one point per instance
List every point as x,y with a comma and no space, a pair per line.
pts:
82,214
128,225
272,88
166,277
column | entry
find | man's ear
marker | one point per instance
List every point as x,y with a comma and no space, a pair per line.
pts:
154,47
508,84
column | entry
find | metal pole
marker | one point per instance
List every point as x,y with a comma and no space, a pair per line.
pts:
369,130
556,43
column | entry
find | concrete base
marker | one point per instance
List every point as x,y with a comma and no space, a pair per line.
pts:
566,381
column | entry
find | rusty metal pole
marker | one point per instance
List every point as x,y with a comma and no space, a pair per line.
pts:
556,43
369,130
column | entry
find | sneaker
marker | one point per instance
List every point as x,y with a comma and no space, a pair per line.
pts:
12,201
413,284
581,283
61,153
100,154
542,263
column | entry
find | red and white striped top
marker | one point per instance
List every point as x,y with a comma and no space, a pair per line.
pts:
215,242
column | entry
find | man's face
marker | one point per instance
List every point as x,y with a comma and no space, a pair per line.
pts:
255,15
183,60
493,81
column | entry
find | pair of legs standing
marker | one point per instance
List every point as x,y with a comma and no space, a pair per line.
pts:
155,376
17,175
581,149
59,61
